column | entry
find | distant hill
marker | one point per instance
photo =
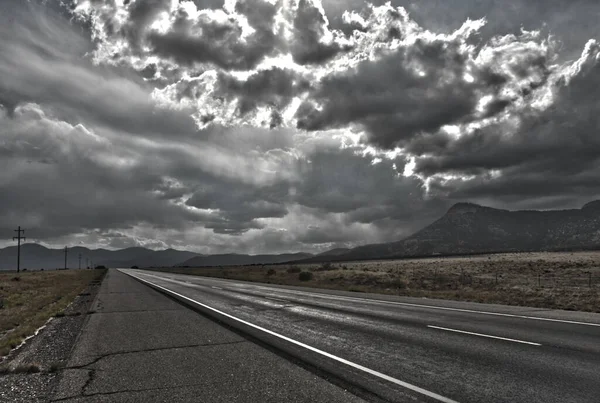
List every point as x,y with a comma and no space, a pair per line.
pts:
233,259
34,256
335,252
470,228
465,229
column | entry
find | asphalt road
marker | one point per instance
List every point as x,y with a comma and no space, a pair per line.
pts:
138,346
407,349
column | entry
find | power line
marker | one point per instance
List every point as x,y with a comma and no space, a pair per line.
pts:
18,238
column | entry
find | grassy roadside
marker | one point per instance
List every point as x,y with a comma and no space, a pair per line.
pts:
28,300
568,281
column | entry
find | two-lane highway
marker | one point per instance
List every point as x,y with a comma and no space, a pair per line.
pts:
406,351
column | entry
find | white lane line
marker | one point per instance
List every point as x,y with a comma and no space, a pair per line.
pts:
216,288
484,335
443,308
379,301
306,346
277,299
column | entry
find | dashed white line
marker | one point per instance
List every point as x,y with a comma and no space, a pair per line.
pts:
388,378
380,301
216,288
484,335
443,308
277,299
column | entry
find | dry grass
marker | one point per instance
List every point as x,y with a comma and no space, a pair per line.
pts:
30,299
549,280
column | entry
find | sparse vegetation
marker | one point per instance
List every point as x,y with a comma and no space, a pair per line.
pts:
35,297
569,280
305,276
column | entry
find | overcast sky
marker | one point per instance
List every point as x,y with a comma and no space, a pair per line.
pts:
267,126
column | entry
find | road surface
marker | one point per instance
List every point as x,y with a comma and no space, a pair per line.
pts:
138,346
407,349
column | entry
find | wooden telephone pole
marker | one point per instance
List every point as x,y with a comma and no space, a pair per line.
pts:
19,238
65,258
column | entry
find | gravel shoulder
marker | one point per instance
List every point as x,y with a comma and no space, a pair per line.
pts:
30,373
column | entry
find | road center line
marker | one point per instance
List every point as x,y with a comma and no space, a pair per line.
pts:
484,335
444,308
388,378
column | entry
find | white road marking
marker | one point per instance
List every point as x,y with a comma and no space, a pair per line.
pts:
306,346
484,335
379,301
277,299
216,288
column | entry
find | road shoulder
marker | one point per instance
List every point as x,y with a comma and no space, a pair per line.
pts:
35,366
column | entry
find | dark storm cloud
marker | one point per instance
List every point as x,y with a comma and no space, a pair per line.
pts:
60,178
551,152
42,60
275,88
236,206
390,78
425,86
310,26
219,41
572,22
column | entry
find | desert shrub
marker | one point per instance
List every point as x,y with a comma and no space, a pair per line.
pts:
270,272
327,266
305,276
294,269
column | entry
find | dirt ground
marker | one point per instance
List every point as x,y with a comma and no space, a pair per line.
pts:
557,280
29,299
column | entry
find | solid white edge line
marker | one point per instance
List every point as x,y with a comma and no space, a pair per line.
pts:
484,335
380,301
388,378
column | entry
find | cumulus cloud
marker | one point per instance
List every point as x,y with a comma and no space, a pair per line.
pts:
387,76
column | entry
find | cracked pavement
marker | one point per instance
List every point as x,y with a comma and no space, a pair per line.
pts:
141,346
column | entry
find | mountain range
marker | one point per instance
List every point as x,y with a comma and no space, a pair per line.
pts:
466,228
472,229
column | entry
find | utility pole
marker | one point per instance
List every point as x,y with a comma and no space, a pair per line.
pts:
87,262
80,261
65,258
18,238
